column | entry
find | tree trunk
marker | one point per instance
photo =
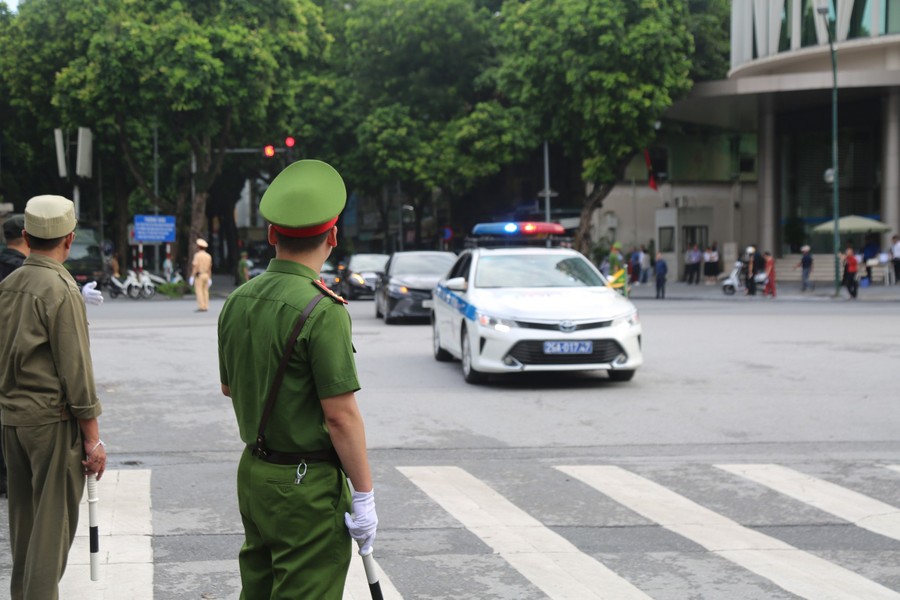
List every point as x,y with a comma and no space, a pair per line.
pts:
594,201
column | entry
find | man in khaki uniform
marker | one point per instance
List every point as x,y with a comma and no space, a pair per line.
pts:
48,402
201,271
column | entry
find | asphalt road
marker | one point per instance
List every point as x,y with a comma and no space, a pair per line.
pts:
547,486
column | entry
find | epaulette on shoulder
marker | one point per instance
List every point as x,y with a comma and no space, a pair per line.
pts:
328,292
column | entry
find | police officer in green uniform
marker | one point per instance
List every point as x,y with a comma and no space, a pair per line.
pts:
305,442
48,402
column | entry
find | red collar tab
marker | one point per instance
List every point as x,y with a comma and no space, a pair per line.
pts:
301,232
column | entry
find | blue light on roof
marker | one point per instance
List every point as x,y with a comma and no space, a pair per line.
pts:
510,228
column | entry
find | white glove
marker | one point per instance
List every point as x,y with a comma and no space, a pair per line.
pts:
363,522
209,283
91,294
191,281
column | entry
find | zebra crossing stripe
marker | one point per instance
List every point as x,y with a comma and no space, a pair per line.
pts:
859,509
357,586
893,467
794,570
545,558
126,531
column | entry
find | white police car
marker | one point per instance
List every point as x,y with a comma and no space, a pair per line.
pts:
514,309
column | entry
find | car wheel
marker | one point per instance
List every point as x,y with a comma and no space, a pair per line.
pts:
625,375
378,313
728,289
440,354
469,373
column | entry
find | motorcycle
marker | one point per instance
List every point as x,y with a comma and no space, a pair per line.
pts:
735,280
127,286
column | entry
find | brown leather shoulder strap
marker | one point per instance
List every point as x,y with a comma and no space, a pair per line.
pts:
261,449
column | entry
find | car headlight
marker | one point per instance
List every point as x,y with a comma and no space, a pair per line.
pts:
357,279
396,288
496,323
631,319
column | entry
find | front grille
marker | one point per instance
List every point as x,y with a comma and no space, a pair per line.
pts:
555,326
531,352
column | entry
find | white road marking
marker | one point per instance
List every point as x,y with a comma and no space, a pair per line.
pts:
794,570
357,586
545,558
126,554
859,509
893,467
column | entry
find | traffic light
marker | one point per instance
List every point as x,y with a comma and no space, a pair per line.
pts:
269,151
289,142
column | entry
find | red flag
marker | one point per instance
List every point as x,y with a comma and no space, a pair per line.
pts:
651,179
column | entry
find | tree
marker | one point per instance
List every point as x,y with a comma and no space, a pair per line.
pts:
425,117
710,23
207,74
595,75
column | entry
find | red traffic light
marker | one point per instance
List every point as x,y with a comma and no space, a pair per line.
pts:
289,142
269,151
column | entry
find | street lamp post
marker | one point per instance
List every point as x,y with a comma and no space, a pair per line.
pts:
822,9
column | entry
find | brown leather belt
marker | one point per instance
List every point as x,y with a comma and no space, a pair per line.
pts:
294,458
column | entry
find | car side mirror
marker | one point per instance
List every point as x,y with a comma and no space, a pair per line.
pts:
457,284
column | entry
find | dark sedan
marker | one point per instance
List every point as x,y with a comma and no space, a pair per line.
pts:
404,291
357,278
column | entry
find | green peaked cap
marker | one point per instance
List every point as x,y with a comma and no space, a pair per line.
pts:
306,193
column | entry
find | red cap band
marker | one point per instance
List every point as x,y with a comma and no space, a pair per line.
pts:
305,231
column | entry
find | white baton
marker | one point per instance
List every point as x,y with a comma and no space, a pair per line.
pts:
94,532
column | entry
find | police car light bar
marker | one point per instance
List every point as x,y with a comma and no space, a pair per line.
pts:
518,228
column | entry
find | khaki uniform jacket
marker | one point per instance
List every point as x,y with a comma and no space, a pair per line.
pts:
202,263
46,373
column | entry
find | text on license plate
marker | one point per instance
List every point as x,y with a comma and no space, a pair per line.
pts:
427,303
568,347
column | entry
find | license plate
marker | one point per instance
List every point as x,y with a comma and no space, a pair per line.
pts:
568,347
427,303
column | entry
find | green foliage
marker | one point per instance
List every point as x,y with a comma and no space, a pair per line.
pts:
709,23
596,74
174,290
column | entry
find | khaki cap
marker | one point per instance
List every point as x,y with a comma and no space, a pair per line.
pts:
202,243
305,199
50,217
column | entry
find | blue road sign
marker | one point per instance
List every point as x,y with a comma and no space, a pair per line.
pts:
154,228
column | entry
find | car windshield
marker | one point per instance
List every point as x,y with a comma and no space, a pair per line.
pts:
535,270
368,262
422,264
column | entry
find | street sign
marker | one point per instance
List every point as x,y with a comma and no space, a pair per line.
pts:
154,228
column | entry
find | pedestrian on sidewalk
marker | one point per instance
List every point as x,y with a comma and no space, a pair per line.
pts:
661,270
851,270
805,265
48,401
770,275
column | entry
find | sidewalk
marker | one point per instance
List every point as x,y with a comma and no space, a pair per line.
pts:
789,291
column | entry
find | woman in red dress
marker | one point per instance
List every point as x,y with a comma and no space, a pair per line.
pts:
770,275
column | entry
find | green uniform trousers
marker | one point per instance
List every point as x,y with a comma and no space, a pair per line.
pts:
296,545
46,483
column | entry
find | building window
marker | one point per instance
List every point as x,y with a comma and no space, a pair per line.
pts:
890,16
694,234
667,239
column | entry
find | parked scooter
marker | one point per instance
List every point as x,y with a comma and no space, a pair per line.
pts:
735,280
127,286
